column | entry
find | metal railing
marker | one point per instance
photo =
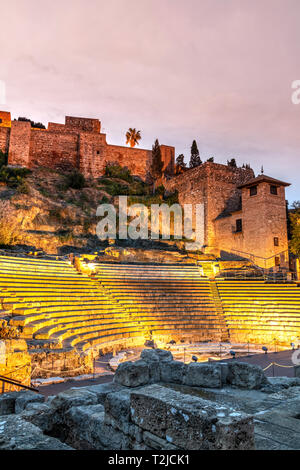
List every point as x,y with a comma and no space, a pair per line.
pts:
16,383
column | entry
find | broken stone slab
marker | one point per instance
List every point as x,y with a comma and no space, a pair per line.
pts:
73,397
86,429
172,372
244,375
156,355
203,375
190,422
132,374
26,397
19,434
102,390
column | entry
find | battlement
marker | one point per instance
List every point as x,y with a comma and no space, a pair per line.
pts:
83,124
78,144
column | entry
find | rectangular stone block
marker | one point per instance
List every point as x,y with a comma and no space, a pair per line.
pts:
203,375
172,372
189,422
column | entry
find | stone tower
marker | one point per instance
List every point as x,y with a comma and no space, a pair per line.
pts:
263,222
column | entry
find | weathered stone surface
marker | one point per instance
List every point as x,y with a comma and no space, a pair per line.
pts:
117,405
244,375
39,414
102,390
74,397
87,429
224,372
155,442
7,403
132,374
203,375
172,372
190,422
18,434
285,382
156,355
26,397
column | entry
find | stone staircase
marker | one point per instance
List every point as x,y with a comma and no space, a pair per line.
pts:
219,309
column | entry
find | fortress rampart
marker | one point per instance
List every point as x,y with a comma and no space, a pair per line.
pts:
78,143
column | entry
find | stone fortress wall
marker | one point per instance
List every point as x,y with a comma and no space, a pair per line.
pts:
78,143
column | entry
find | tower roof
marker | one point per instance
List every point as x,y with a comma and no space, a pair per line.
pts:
263,179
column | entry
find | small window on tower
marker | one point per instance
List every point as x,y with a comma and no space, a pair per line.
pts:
277,261
253,191
276,241
98,152
273,190
239,225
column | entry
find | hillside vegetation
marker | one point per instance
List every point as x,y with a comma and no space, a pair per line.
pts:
46,210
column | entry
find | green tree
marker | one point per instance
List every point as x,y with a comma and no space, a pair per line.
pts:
232,163
211,160
156,164
195,156
294,217
180,161
133,136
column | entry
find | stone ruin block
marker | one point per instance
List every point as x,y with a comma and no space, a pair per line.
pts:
172,372
132,374
189,422
156,355
203,375
244,375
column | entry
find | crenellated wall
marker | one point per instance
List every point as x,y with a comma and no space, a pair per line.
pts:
78,143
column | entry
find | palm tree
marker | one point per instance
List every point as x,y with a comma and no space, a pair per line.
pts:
133,136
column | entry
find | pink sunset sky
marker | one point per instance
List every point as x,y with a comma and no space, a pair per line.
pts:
218,71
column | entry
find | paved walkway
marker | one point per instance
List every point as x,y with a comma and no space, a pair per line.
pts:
283,358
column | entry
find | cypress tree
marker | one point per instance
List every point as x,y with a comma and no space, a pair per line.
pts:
157,163
195,156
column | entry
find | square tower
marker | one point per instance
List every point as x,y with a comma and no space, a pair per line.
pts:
264,221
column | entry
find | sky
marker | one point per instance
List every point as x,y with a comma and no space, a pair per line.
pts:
218,71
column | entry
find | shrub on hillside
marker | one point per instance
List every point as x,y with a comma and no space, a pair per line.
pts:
75,180
117,171
13,177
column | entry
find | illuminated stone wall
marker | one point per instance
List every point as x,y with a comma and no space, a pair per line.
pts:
15,363
79,144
